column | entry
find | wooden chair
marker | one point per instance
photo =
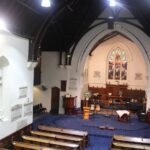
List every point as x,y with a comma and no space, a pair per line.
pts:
55,143
77,133
22,145
126,142
55,136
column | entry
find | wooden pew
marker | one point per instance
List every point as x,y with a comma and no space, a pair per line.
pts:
56,143
83,134
126,142
129,146
55,136
20,145
131,139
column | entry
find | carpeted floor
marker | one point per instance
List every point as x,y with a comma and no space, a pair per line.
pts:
99,139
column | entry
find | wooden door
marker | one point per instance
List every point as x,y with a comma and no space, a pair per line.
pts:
55,100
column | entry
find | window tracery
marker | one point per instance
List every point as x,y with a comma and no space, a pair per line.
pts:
117,65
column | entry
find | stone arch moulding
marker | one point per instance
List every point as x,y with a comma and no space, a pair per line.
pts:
3,63
91,38
88,41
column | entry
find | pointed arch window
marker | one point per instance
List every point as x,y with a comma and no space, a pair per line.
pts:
117,65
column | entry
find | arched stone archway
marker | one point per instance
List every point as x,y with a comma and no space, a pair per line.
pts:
88,41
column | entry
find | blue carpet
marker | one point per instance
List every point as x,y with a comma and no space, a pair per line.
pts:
99,139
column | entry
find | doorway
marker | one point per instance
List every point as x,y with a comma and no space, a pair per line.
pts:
55,100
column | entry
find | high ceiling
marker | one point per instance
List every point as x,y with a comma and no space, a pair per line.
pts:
58,27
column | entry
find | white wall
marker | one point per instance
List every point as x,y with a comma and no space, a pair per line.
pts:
14,76
52,75
88,41
98,64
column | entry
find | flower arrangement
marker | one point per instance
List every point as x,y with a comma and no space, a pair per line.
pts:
68,95
87,95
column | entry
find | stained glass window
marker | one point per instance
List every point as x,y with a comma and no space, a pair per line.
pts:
117,65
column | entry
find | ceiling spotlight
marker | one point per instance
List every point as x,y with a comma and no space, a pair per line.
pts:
45,3
112,3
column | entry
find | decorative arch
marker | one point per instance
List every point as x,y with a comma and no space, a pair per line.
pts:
3,63
85,45
88,41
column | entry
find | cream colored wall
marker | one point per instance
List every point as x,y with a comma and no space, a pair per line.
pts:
136,64
97,31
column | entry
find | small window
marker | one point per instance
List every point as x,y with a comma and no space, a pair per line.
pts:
63,85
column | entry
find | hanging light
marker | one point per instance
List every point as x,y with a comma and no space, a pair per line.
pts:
45,3
112,3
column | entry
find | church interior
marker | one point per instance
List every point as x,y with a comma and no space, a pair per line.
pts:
82,74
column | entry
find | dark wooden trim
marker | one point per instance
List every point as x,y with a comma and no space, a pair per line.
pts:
7,141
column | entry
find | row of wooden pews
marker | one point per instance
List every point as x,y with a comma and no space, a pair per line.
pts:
23,145
68,132
120,142
51,138
59,137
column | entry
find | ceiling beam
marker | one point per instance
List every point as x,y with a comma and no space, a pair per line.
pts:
28,7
